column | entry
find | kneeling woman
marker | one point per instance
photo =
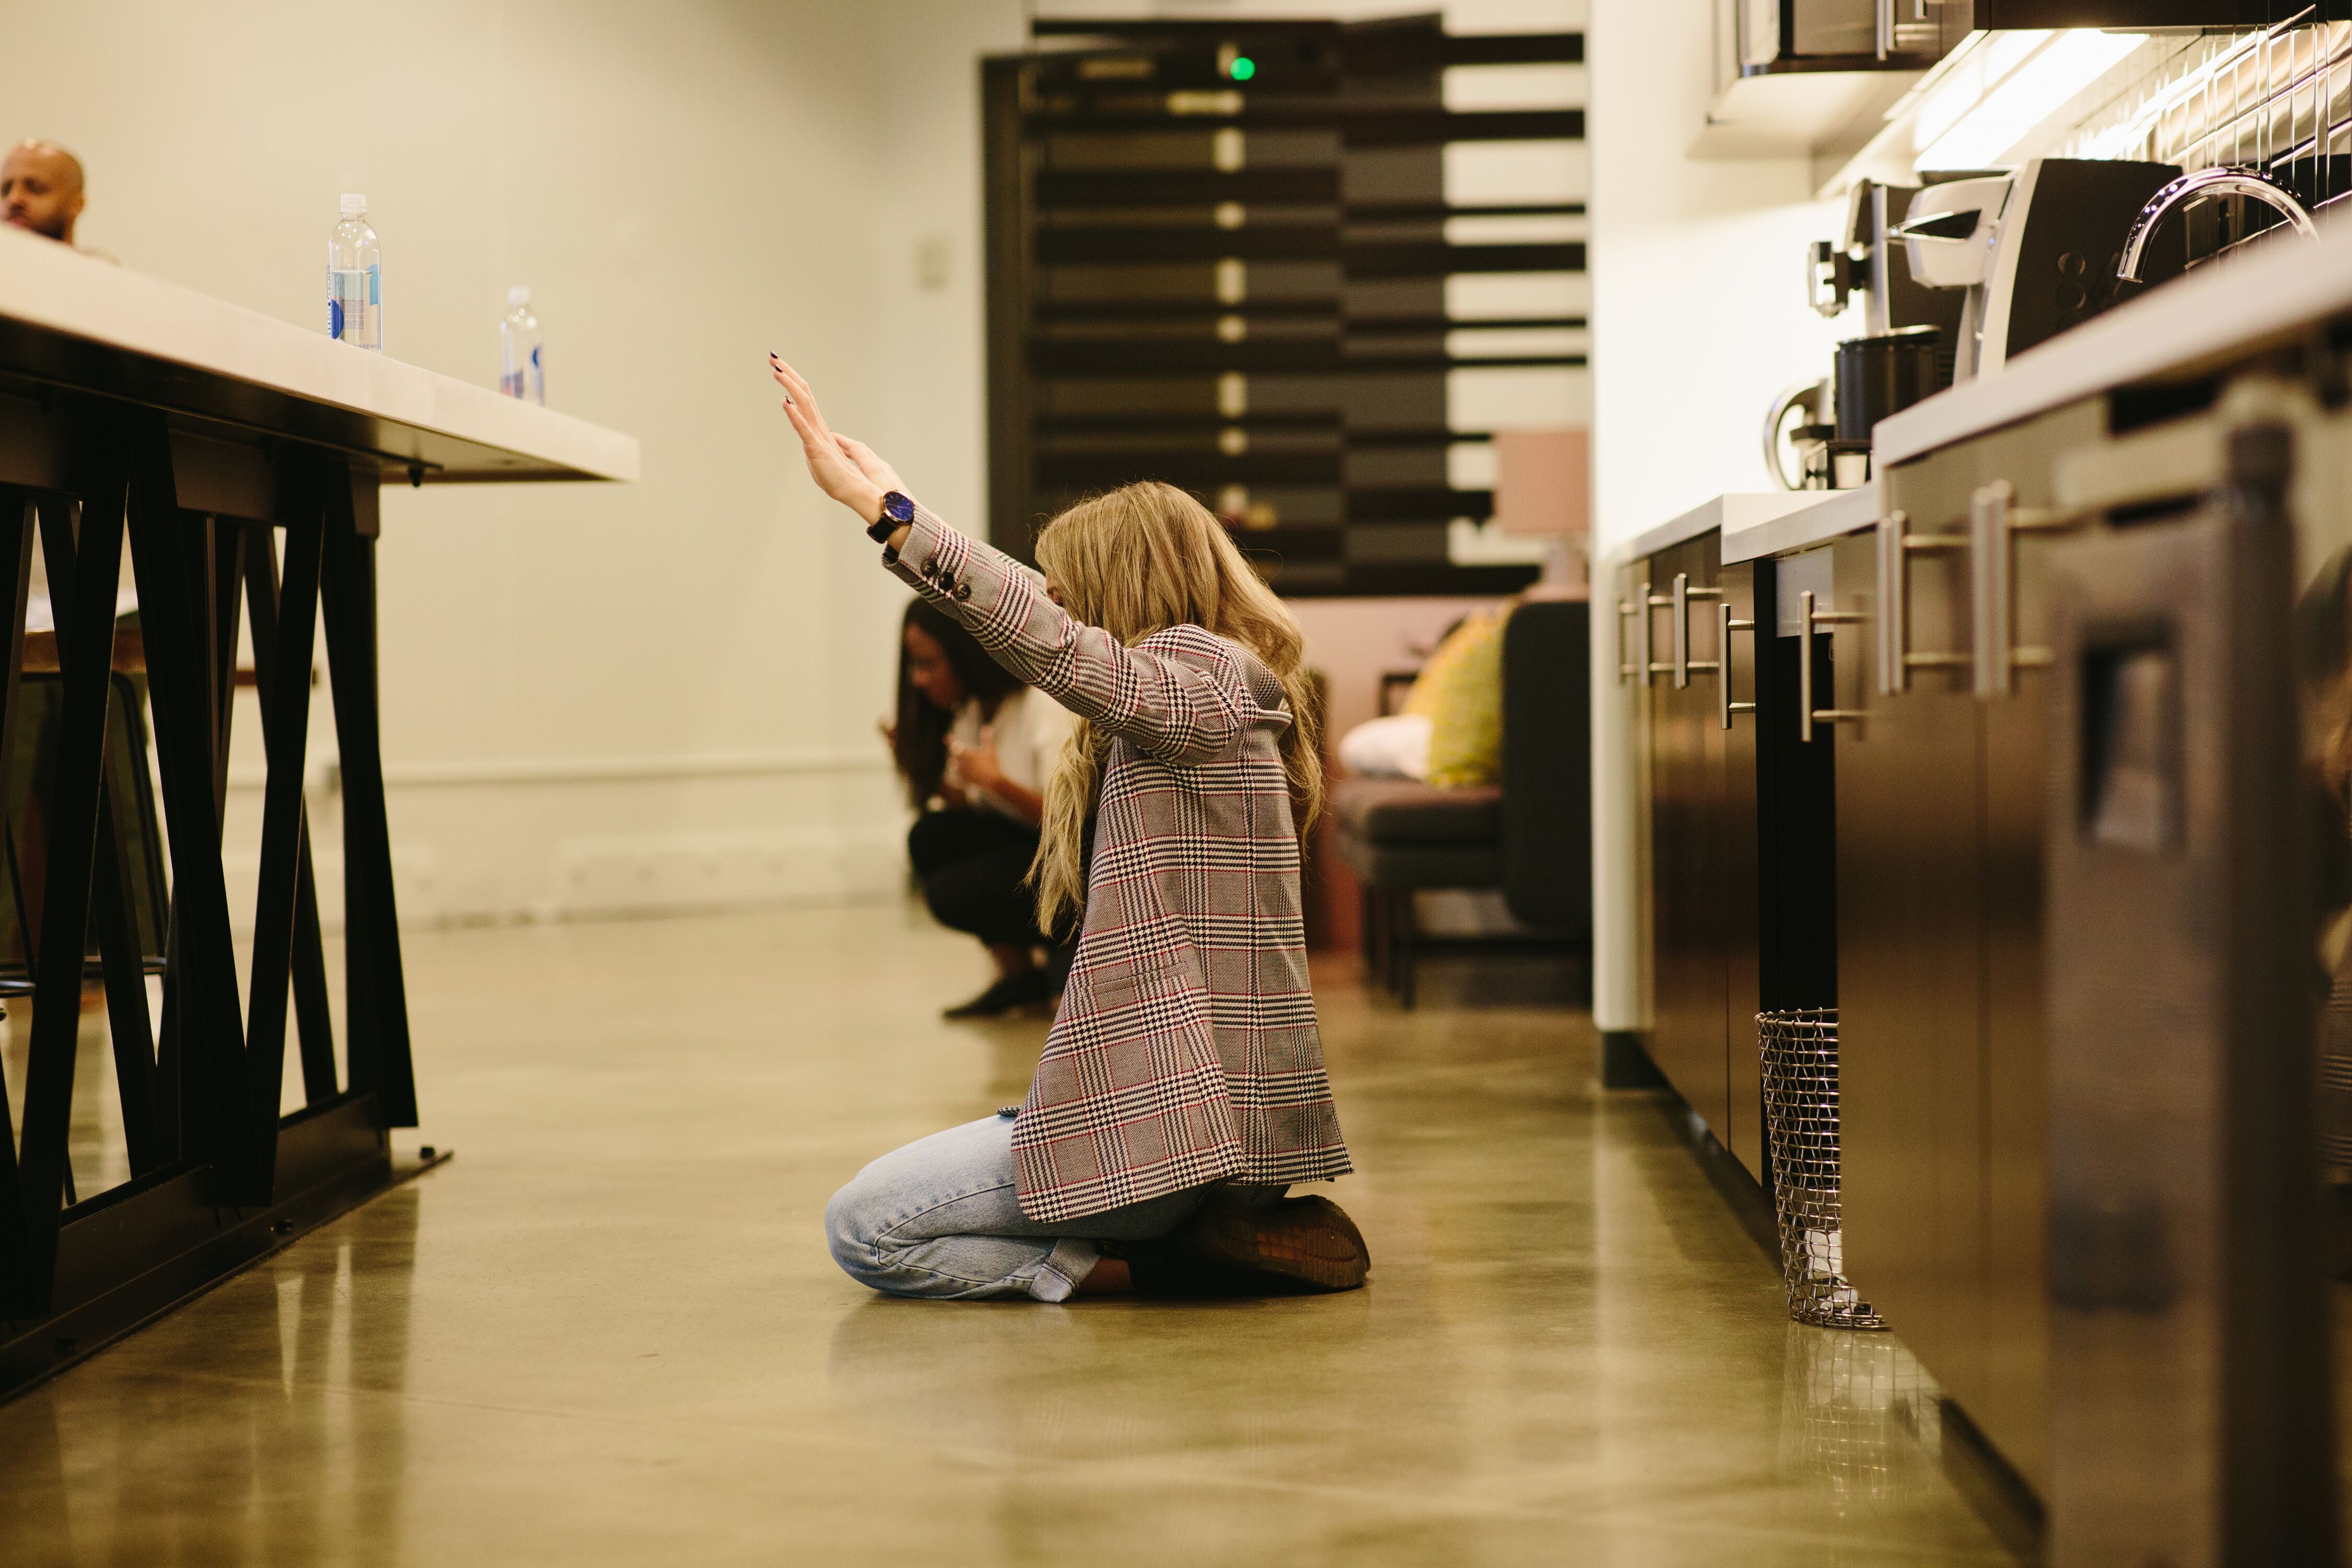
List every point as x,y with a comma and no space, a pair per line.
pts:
973,746
1181,1088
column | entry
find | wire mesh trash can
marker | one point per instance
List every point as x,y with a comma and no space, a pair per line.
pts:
1801,1119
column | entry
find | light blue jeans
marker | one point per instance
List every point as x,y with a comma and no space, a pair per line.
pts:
940,1219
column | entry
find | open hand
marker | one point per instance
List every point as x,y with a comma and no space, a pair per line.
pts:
848,470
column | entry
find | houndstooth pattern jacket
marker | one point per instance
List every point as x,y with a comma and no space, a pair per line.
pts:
1186,1049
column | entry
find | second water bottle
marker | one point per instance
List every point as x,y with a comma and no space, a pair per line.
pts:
355,279
521,373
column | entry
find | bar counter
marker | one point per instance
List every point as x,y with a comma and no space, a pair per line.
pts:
142,419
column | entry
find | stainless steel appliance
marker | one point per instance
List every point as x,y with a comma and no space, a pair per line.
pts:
1869,261
2183,1180
1817,435
2033,253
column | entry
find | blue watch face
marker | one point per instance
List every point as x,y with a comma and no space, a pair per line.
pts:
897,508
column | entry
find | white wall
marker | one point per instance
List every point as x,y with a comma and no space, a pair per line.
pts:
1699,319
594,697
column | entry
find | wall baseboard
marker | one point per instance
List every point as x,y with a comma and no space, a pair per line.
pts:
595,770
1625,1062
657,873
602,877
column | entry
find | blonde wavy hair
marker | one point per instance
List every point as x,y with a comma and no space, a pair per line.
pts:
1140,560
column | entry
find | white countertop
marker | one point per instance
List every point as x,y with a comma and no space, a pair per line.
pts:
1834,513
2216,312
1730,513
68,321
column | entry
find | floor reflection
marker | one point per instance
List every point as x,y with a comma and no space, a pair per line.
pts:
95,1144
616,1339
1013,1380
1860,1428
264,1444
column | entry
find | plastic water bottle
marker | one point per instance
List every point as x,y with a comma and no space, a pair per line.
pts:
355,279
522,371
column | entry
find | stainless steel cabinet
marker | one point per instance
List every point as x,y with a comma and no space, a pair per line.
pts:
1702,844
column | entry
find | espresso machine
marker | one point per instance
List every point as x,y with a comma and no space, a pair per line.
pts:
1821,430
1992,263
2030,254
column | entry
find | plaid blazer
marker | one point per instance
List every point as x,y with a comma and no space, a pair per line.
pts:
1186,1049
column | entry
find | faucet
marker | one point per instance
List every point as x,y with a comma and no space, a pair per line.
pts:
2219,181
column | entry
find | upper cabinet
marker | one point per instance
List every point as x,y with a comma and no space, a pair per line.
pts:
1896,91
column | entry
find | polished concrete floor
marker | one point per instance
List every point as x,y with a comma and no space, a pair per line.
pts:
608,1332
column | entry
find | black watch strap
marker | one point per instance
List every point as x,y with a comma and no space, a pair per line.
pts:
898,511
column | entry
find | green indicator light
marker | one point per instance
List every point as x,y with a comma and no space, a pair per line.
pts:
1244,67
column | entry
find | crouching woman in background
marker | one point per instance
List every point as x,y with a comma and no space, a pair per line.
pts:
973,746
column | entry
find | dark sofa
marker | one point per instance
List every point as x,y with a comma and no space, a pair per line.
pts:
1531,835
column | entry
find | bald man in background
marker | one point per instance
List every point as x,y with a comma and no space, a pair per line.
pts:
40,189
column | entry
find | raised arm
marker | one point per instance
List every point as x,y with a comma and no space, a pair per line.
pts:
1181,695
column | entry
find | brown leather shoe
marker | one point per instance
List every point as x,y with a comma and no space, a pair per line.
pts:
1231,1248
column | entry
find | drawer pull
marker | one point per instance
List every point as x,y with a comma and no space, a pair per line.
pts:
1652,604
1807,714
1896,544
1643,605
1682,662
1724,627
1994,521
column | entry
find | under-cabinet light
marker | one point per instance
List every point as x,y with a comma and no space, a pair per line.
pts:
1979,134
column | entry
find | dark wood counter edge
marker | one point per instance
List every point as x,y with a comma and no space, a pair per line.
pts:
347,1160
1991,1487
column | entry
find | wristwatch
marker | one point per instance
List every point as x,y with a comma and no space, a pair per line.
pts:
898,511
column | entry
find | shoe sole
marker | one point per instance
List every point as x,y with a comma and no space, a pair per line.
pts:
1310,1241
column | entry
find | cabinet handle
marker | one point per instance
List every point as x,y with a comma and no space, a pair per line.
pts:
1994,519
1724,627
1681,630
1896,544
1684,664
1650,604
1643,603
1807,714
1885,28
1626,668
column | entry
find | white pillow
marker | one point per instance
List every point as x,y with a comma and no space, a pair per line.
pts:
1396,747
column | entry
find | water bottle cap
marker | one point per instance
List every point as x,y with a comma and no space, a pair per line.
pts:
354,207
518,295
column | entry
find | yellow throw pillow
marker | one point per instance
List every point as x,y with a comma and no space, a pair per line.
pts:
1461,691
1423,697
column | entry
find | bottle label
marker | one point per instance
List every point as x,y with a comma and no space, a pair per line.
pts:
353,297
